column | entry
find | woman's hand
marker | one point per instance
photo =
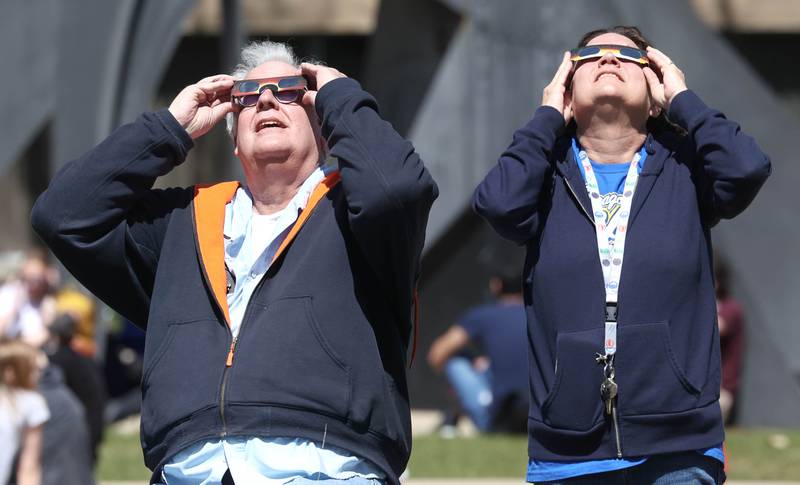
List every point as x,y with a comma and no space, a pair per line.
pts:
556,94
671,83
200,106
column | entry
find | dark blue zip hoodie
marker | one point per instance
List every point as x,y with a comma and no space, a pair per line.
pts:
321,352
668,362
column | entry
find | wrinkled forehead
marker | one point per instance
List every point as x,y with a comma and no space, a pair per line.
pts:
273,69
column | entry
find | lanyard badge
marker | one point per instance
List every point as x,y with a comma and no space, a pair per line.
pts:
611,239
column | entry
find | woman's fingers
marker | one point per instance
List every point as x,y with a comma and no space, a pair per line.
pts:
653,82
553,93
562,74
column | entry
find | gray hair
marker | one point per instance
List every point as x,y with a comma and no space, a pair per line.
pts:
253,55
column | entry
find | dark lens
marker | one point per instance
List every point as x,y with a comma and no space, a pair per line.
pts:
630,52
289,82
288,96
248,86
588,51
248,100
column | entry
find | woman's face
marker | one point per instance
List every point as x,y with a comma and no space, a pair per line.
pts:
609,82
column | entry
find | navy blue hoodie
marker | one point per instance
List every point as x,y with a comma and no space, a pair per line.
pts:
668,361
321,351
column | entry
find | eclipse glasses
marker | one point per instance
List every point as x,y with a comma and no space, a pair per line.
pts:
620,52
286,89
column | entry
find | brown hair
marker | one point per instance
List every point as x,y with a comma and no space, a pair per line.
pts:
629,31
18,365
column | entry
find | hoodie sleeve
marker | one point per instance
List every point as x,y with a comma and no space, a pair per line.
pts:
509,196
103,221
389,191
731,168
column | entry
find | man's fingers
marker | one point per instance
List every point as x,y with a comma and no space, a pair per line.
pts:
220,110
309,69
216,77
309,98
216,85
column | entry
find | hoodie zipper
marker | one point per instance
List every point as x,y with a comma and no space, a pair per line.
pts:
577,200
614,418
616,427
230,357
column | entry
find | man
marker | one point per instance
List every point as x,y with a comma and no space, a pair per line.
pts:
26,306
492,389
277,313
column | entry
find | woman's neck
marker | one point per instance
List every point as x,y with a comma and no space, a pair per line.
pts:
611,143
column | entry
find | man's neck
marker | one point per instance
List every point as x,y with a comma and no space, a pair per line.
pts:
274,185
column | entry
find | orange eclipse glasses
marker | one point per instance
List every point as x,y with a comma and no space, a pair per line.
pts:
620,52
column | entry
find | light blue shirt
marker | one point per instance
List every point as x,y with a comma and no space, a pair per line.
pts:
251,241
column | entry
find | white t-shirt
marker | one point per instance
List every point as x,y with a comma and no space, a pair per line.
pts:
29,324
19,410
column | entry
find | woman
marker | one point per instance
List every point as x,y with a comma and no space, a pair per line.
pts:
23,413
613,186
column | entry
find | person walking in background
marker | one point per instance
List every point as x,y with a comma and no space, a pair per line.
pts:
613,186
23,412
278,312
730,318
492,388
66,449
81,376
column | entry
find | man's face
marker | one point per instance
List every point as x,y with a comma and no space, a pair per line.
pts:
33,275
609,80
272,131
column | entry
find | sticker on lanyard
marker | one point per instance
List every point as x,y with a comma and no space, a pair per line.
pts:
611,235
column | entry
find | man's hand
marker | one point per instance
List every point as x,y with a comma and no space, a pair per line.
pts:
556,94
672,81
200,106
318,76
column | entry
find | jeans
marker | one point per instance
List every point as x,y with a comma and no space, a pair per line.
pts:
687,468
473,389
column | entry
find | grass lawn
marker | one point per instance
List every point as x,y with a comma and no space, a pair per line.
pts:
753,454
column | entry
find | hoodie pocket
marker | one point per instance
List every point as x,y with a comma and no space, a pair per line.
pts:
182,376
650,379
284,358
574,401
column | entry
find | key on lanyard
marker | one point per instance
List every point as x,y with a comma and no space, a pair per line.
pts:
608,389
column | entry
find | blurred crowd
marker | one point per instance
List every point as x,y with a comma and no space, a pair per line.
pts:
65,372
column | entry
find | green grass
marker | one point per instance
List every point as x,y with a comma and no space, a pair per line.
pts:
121,457
757,454
753,454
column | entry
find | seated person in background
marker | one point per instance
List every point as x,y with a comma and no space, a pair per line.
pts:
492,389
